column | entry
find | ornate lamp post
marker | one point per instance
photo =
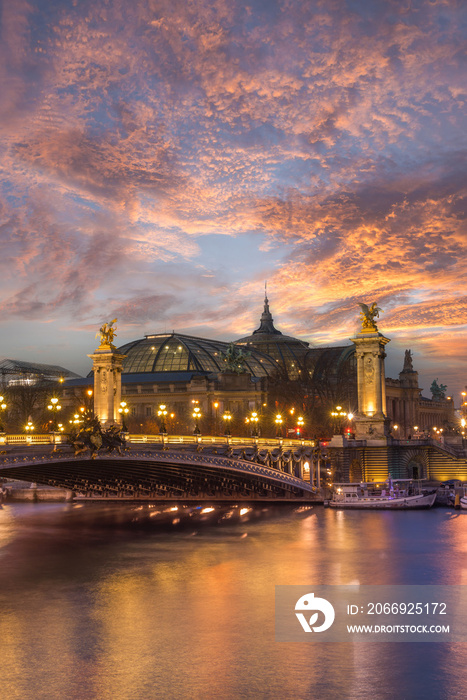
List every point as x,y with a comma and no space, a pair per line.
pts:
338,414
227,417
196,415
2,408
55,407
254,421
29,428
162,412
300,424
278,421
124,410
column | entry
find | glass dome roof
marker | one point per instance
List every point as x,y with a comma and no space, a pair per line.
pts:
289,353
175,352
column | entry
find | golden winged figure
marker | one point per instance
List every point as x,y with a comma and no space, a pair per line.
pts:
368,315
107,333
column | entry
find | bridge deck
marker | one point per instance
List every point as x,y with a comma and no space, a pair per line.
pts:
171,474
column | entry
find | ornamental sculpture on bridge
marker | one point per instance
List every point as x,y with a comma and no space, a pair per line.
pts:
368,315
107,332
91,437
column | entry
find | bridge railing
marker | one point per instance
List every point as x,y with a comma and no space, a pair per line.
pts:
216,440
57,438
45,439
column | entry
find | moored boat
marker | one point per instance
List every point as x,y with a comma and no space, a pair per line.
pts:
403,494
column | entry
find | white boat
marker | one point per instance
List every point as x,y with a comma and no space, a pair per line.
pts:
402,494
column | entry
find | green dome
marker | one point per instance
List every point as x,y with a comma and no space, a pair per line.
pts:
175,352
288,353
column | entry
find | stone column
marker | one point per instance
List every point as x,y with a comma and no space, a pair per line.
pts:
371,421
107,368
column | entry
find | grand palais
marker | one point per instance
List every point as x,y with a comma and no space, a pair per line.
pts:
275,373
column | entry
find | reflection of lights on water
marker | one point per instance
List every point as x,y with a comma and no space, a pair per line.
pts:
207,510
175,521
174,508
244,510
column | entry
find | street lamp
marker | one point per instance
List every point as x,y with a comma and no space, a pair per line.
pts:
29,428
2,408
55,407
196,415
336,414
162,412
254,420
124,410
278,421
227,417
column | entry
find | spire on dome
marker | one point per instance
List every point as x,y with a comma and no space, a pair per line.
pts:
267,323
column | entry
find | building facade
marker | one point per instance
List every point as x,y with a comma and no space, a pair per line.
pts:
183,372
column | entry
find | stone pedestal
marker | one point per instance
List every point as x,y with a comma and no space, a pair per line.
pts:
107,368
370,421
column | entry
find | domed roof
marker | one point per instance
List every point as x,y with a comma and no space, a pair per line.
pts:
175,352
288,352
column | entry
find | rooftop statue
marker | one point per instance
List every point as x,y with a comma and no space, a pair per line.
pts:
408,366
368,315
235,359
107,333
438,390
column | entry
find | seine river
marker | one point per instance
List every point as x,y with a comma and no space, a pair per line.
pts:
113,603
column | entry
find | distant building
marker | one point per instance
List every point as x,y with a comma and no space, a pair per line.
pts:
20,373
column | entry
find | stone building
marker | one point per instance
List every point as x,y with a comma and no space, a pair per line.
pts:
183,371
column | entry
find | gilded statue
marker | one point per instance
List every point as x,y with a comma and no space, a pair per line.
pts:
107,332
368,315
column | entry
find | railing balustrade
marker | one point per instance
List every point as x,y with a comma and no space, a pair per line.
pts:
49,438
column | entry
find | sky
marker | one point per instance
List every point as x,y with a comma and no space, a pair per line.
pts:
161,159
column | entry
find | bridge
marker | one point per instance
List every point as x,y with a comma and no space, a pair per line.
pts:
179,472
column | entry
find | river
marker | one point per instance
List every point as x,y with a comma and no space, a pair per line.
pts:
130,603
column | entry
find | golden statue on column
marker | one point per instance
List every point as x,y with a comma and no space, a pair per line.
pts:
367,316
107,333
107,368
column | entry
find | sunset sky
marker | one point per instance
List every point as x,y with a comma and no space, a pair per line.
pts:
161,159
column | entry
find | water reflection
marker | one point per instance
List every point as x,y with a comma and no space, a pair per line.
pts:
139,602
